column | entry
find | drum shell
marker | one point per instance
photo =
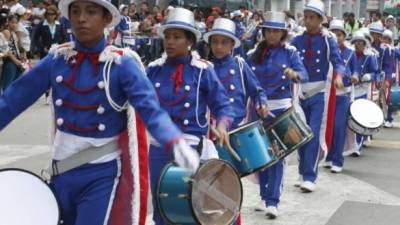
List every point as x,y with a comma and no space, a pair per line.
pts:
279,126
178,191
253,147
175,208
359,129
356,126
395,98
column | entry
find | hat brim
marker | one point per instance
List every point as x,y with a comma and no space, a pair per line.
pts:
339,28
272,27
207,36
165,27
63,5
359,39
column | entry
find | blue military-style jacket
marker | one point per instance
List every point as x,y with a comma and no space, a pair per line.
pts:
240,83
75,75
199,90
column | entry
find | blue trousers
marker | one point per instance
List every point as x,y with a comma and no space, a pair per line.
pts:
339,131
271,179
390,114
313,108
84,193
158,159
360,138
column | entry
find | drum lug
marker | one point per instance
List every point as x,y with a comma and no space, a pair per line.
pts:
276,149
183,196
163,195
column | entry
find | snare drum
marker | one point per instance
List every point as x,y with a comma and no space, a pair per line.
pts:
365,117
395,98
252,145
289,131
211,196
26,199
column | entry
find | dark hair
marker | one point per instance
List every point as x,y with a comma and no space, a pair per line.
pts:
189,35
258,54
351,14
3,18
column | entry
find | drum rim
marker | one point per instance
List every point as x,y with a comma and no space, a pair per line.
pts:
279,118
39,178
242,127
372,131
355,120
240,183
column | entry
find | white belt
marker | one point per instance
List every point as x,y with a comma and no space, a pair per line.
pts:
279,103
312,88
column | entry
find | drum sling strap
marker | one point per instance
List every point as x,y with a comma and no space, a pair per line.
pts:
80,158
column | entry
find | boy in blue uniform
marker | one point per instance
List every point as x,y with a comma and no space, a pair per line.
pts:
335,159
318,49
92,84
278,66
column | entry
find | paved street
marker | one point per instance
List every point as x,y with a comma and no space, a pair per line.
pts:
366,193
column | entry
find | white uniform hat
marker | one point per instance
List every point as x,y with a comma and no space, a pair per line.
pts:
236,13
359,36
376,27
274,20
316,6
225,27
182,19
388,33
122,7
63,5
338,25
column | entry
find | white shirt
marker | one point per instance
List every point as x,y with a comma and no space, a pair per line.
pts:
14,8
25,39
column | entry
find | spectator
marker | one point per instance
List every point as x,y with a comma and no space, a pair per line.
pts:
13,5
12,63
390,24
376,16
216,12
133,14
49,32
38,13
144,10
3,41
352,25
22,30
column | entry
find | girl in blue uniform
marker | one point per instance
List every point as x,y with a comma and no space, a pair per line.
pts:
335,159
187,87
366,66
277,65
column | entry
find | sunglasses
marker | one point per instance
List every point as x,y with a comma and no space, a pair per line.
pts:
51,14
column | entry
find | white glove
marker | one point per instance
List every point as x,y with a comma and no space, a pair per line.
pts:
366,77
185,156
209,151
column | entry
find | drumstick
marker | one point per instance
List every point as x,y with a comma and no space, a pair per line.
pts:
230,149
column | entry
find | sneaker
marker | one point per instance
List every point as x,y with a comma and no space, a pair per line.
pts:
260,206
327,164
356,153
388,124
298,182
272,212
336,169
307,186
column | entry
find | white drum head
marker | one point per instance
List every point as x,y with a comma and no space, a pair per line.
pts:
367,113
26,199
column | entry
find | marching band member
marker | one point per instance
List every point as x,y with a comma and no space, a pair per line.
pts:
318,49
387,39
122,29
277,65
236,76
186,86
366,65
335,159
233,72
92,85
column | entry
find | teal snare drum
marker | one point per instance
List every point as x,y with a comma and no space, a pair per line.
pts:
252,145
394,98
289,132
211,196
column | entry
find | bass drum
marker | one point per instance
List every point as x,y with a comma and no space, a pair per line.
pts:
26,199
365,117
